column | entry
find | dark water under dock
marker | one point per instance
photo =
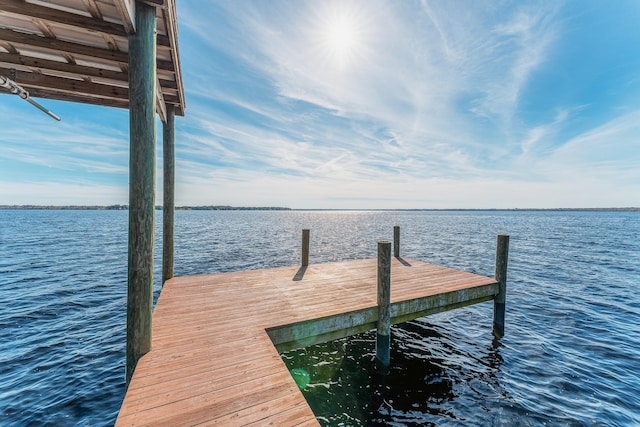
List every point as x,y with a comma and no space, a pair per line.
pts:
569,356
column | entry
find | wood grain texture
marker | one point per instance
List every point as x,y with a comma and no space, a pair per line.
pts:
76,50
142,181
168,204
213,359
499,308
383,341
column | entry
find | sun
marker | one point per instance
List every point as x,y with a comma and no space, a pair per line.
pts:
341,35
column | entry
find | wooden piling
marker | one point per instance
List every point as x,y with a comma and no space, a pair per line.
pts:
168,205
305,247
142,96
197,375
396,241
383,338
499,303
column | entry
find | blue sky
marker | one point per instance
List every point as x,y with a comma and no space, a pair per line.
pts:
368,104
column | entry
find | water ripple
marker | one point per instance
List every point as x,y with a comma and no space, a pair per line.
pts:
570,356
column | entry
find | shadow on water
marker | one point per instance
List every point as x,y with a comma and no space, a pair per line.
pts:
342,386
570,352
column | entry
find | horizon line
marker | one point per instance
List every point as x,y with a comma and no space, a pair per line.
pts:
228,207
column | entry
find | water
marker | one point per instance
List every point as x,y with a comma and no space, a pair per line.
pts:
571,354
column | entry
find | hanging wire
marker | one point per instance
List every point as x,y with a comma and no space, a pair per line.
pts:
16,89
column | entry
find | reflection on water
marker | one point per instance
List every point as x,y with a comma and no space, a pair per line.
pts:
427,373
569,357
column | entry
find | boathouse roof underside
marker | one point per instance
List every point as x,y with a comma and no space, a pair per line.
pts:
77,50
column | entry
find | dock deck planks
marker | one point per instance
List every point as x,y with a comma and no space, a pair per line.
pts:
213,359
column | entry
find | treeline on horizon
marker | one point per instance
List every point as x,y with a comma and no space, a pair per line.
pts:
276,208
126,207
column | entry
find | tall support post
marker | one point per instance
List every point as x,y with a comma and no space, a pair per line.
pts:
305,247
168,205
142,174
383,338
396,241
499,303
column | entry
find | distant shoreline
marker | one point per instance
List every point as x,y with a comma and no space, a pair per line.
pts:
126,207
275,208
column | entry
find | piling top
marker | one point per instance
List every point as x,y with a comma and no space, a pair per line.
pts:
213,357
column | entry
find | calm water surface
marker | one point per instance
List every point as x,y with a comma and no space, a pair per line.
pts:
571,354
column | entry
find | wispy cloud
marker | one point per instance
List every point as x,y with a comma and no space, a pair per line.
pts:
72,145
436,104
407,82
434,93
609,151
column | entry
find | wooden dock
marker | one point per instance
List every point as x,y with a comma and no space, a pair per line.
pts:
214,359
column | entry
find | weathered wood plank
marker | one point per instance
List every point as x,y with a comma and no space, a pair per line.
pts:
76,90
290,413
212,405
142,180
92,99
502,255
193,386
63,69
61,46
168,203
396,241
75,20
228,371
305,247
383,336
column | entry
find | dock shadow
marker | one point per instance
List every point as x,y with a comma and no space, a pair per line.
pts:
300,273
403,261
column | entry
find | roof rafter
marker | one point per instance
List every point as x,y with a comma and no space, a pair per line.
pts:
77,50
43,81
55,85
86,23
27,63
61,46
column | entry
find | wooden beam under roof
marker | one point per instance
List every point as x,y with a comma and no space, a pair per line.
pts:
161,107
172,33
93,9
54,84
61,47
70,86
92,99
77,97
155,3
63,69
77,49
76,20
74,71
127,13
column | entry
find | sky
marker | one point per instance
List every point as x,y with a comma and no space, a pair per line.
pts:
367,105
